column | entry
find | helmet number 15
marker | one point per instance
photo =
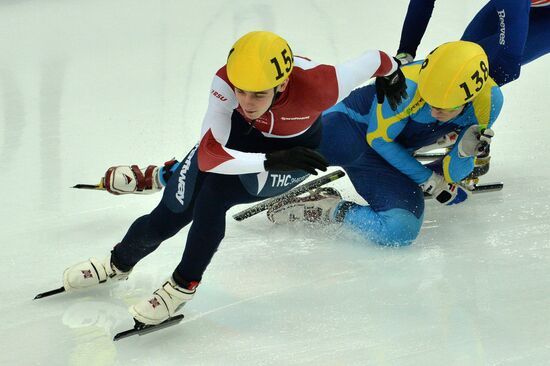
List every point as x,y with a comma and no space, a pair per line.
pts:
478,78
287,59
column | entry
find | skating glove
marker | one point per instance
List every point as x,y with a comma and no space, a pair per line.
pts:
296,158
475,142
444,192
393,87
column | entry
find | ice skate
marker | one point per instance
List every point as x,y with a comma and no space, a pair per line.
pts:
164,303
90,273
318,206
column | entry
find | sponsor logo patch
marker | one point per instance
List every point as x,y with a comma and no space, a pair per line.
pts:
502,24
218,95
180,194
284,180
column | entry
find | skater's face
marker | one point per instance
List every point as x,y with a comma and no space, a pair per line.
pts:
254,104
445,115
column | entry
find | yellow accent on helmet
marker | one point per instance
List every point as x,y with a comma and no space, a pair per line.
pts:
453,74
259,61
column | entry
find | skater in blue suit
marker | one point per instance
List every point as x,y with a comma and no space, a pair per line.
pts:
449,91
512,33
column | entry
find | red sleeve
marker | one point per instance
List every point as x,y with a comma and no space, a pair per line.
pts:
315,85
222,74
327,86
385,65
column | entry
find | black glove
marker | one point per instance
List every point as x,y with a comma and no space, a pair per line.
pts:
296,158
393,87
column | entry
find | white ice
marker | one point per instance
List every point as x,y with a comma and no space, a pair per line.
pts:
89,84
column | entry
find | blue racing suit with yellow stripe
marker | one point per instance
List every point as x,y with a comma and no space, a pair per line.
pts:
375,146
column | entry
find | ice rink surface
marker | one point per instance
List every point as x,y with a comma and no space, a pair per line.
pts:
89,84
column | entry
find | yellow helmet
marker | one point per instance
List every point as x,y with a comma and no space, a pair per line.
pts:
453,74
259,61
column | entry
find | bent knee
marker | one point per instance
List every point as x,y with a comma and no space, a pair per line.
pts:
399,227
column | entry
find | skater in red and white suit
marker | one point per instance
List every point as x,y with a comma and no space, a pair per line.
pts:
258,139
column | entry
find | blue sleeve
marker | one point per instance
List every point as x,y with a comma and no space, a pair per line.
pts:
456,168
384,127
497,100
414,27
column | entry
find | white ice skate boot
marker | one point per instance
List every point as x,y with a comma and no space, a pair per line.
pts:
124,179
127,179
90,273
318,206
164,303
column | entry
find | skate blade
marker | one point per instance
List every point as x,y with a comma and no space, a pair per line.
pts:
49,293
142,329
100,186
